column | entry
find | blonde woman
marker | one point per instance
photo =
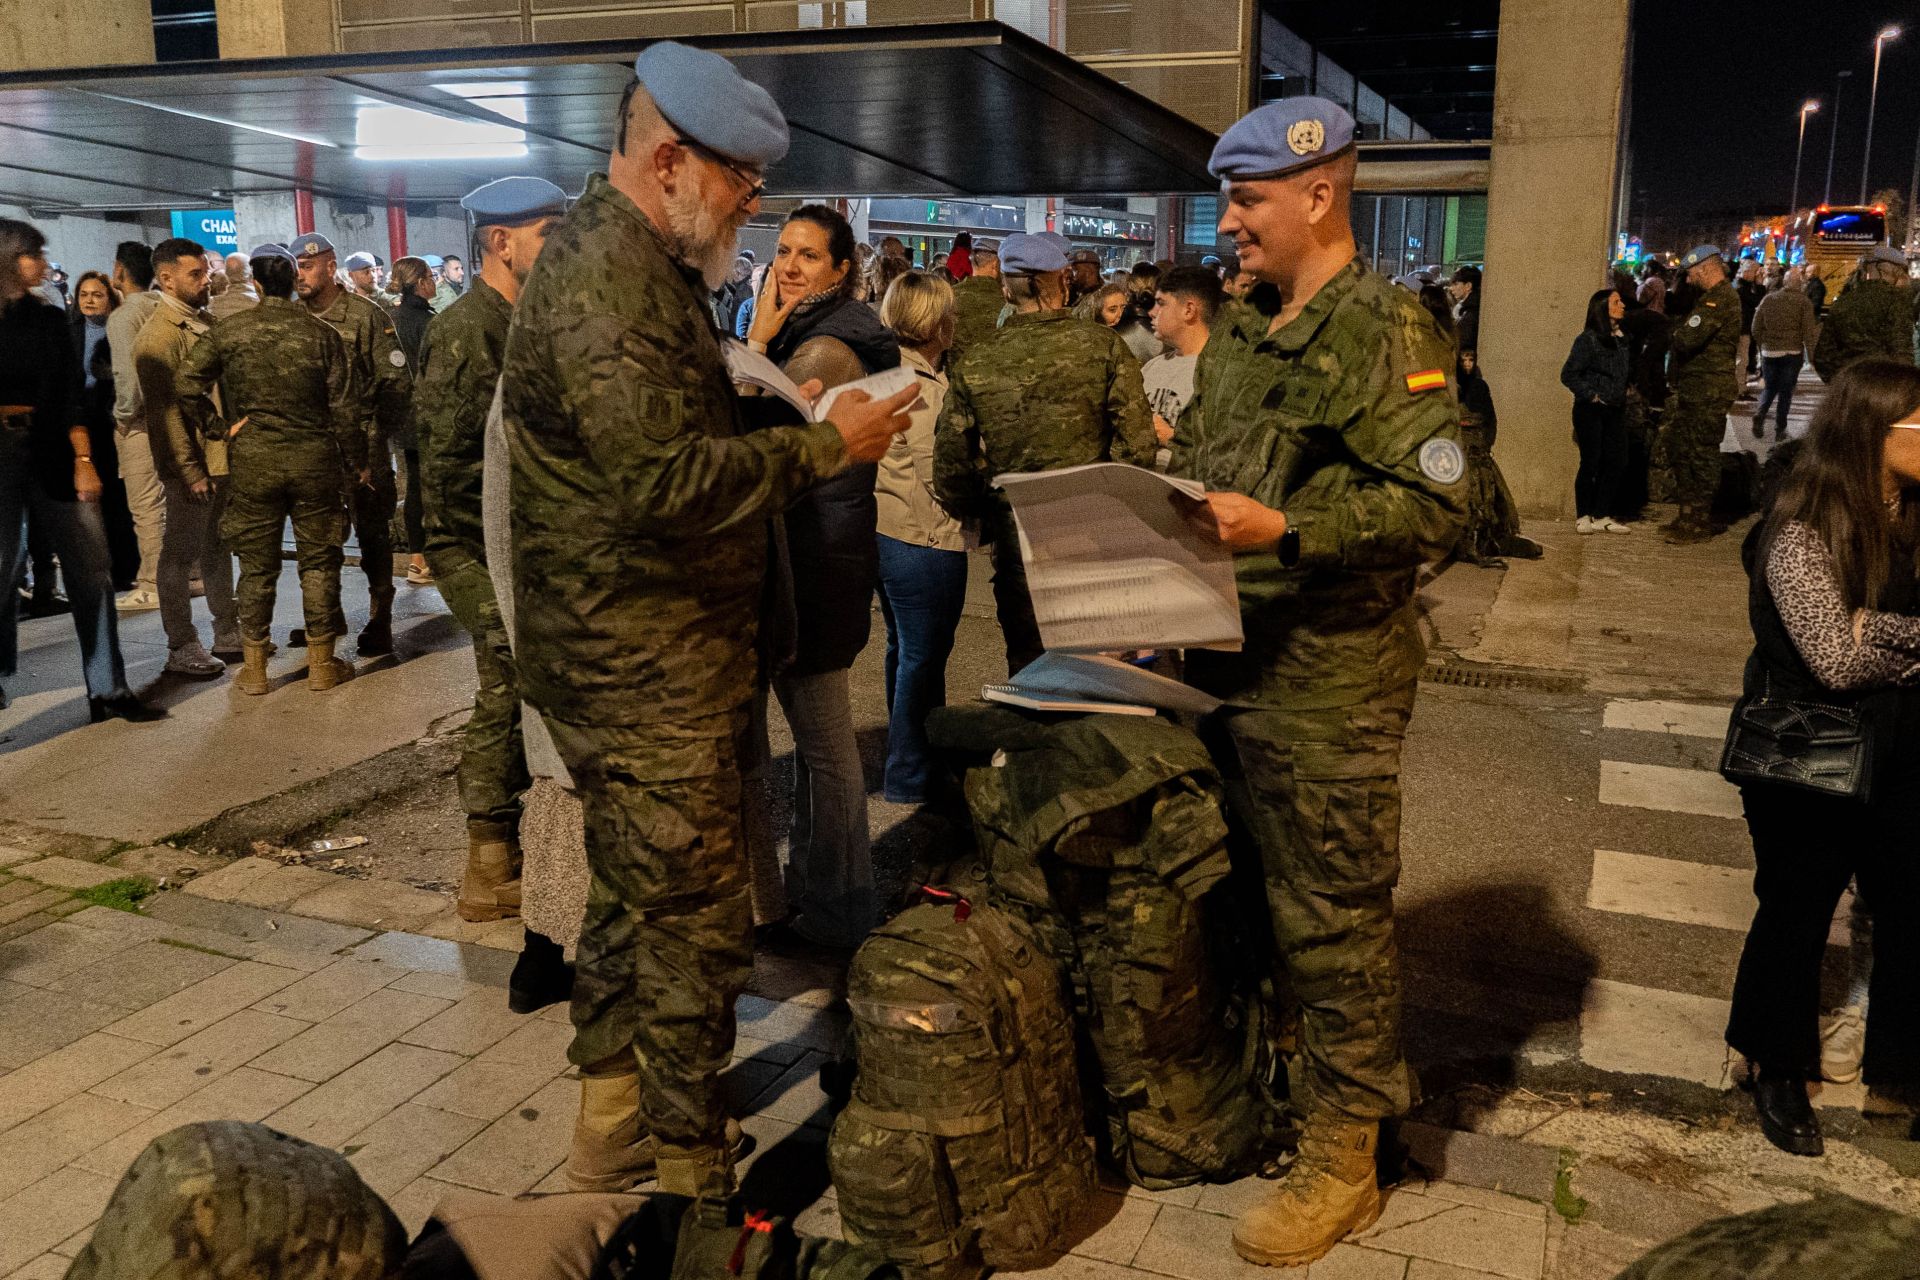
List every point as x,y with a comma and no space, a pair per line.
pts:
923,561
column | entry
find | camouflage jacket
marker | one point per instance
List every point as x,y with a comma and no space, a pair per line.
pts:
976,312
640,503
1344,420
287,374
459,366
1047,391
373,345
1873,319
1703,348
179,452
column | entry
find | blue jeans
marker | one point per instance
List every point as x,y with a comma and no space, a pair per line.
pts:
1779,375
922,590
79,537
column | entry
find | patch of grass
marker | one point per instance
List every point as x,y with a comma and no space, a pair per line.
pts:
1569,1206
193,946
124,894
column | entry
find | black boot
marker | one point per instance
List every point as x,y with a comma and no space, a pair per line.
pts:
122,706
1786,1115
541,976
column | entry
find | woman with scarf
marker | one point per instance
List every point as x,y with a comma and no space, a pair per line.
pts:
810,321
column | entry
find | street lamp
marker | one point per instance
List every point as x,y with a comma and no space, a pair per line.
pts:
1873,98
1833,137
1807,108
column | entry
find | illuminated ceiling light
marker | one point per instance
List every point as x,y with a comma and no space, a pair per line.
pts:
402,133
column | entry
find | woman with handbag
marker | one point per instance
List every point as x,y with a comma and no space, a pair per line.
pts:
1825,747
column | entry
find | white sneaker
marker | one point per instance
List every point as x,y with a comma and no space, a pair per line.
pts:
1586,524
1610,525
138,598
1843,1035
195,662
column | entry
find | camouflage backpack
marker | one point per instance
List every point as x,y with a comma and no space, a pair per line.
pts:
964,1145
1106,834
673,1238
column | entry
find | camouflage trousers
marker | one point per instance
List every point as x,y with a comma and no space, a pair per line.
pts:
373,508
263,492
1695,425
666,946
1319,793
493,761
1013,603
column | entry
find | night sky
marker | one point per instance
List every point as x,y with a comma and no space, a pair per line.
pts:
1716,92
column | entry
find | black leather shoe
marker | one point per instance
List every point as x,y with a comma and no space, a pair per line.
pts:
123,706
1786,1115
541,976
48,604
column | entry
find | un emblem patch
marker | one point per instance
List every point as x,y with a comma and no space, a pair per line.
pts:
1442,462
1305,137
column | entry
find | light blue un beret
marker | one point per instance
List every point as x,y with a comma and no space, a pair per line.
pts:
1281,138
1053,238
270,250
703,96
309,245
1699,254
509,202
1888,254
360,261
1037,252
433,260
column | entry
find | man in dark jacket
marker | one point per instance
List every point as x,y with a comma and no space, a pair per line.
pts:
1874,319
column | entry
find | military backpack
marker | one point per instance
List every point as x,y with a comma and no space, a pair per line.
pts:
964,1145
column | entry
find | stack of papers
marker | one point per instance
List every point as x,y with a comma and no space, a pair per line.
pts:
750,368
1058,681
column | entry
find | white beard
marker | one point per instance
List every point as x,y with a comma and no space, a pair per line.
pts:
698,238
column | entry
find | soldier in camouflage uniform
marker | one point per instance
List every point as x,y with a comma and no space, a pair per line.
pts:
1047,391
1873,319
374,348
1703,349
641,505
977,301
299,418
1329,443
459,368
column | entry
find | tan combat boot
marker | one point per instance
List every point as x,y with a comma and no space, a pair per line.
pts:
253,671
490,890
611,1152
324,671
1329,1194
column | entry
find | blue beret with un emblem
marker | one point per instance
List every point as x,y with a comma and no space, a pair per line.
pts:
1280,138
512,202
270,250
1699,254
703,96
310,245
1027,254
360,261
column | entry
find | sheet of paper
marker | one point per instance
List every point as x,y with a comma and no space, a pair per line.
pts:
878,386
1114,563
1095,676
744,364
1035,700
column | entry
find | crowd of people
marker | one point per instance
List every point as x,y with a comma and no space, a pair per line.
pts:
647,552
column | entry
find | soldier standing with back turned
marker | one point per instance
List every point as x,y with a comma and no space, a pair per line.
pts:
296,434
1329,446
374,348
1044,392
1873,319
1704,349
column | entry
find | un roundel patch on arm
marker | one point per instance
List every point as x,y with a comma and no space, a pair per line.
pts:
1442,462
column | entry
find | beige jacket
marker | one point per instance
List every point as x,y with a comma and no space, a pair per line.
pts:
178,452
903,489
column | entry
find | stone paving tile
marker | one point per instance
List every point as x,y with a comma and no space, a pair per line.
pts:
821,1218
140,975
48,1266
777,1023
30,901
486,1090
190,1065
1481,1198
1403,1207
1480,1160
796,1095
26,924
414,1203
406,1142
46,1213
362,1028
244,1093
55,951
278,888
445,987
1112,1227
745,1046
64,1072
1468,1237
1075,1267
320,995
1199,1246
532,1043
34,1023
361,1094
1427,1269
253,924
1588,1252
222,885
67,873
11,855
521,1147
433,955
161,862
469,1027
58,1136
206,1002
370,904
746,1079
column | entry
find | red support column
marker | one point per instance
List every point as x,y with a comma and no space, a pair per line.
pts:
302,211
396,232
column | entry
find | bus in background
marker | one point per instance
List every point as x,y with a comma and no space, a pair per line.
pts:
1833,238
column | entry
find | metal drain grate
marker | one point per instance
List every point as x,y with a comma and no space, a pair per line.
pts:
1468,675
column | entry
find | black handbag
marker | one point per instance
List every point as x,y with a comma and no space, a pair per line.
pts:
1814,746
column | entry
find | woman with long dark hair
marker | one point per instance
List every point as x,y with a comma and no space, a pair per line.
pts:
1833,604
809,320
95,299
47,465
1596,372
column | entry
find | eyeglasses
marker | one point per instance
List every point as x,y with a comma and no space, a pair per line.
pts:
756,187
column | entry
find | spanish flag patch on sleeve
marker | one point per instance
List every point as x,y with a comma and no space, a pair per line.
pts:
1430,380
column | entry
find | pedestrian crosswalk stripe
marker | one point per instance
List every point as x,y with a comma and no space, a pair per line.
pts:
1646,1031
1687,719
1671,790
1669,889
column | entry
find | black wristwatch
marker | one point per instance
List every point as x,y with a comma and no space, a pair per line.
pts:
1289,548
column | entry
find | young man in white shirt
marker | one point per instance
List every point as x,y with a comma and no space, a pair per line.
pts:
1184,305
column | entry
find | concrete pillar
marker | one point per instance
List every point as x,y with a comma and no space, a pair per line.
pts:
1550,210
74,33
274,28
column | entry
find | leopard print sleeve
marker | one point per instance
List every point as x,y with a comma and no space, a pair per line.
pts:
1805,591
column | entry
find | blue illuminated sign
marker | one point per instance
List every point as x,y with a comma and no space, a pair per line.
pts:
213,228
